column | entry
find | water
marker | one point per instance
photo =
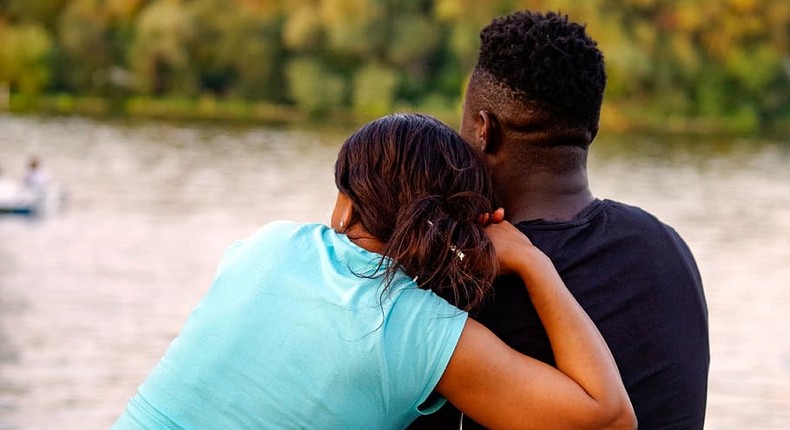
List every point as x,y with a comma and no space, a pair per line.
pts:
89,299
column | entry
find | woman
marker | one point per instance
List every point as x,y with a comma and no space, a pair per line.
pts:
308,326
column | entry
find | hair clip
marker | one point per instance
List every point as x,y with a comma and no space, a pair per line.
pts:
457,252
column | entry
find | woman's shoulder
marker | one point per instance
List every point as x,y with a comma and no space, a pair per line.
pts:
274,237
285,231
287,227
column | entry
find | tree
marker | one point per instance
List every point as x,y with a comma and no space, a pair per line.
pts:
42,12
374,90
313,87
83,37
237,50
160,51
24,57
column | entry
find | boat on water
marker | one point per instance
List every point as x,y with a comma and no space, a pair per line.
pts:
17,199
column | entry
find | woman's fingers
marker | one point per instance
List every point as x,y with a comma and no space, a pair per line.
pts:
498,216
491,217
509,244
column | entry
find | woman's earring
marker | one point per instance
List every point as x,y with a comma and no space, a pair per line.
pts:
342,224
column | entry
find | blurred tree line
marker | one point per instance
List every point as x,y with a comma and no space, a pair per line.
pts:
669,61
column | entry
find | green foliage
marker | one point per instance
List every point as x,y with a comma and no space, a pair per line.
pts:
350,24
717,63
302,30
234,51
414,42
43,12
159,55
313,87
24,51
84,42
723,60
374,91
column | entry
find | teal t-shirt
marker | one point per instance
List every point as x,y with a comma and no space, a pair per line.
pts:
293,335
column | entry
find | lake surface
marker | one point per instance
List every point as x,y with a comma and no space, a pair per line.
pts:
90,297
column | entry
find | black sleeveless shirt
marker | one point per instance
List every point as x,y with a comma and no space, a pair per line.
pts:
639,283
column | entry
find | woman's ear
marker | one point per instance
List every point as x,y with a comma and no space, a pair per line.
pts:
342,213
489,134
347,216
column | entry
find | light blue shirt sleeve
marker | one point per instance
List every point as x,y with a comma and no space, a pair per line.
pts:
428,329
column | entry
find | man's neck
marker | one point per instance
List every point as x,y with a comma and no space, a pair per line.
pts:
546,196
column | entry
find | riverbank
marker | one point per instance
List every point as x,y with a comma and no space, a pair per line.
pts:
614,117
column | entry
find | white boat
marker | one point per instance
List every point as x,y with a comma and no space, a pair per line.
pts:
17,199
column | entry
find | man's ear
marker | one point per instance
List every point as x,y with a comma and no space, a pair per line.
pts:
594,133
489,134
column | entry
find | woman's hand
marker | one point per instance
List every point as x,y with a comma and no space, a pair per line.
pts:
511,246
500,388
492,217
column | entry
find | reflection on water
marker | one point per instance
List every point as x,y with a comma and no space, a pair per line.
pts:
89,299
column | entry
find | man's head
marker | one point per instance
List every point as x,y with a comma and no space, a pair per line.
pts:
538,85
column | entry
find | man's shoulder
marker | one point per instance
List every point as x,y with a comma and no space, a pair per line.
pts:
607,217
623,216
631,230
608,232
629,212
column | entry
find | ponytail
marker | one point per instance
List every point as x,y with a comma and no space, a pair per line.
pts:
438,242
418,188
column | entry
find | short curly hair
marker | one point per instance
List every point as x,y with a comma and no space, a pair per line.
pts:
547,61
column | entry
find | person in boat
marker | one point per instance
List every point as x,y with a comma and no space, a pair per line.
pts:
36,178
364,324
532,109
26,196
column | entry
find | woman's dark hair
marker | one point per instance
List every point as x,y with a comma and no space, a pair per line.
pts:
419,188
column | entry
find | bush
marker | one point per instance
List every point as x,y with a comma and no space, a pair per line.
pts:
374,91
315,89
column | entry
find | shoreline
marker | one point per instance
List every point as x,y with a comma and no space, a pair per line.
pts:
617,118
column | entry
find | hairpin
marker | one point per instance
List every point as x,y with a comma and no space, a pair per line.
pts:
457,251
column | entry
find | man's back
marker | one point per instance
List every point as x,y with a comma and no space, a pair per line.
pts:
532,107
639,283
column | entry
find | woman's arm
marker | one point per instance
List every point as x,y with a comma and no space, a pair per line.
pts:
501,388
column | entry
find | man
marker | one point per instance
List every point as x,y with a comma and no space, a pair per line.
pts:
532,107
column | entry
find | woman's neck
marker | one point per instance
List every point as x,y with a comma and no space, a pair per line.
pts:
360,237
